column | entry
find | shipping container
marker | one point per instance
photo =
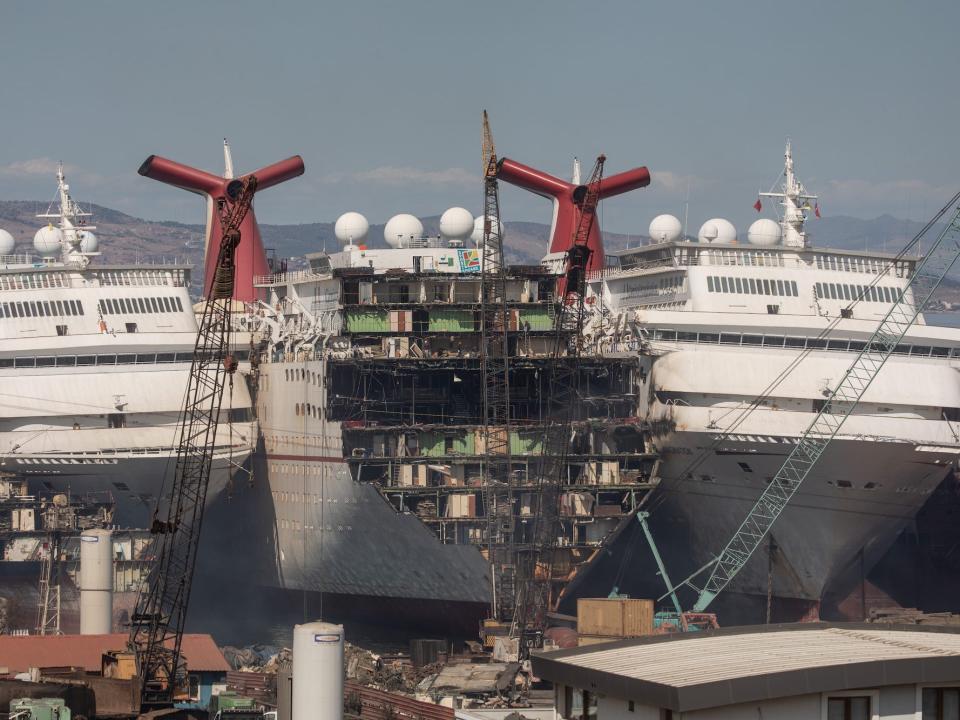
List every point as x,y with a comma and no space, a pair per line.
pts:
615,617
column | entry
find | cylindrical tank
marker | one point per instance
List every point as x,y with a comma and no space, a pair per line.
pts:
96,582
318,671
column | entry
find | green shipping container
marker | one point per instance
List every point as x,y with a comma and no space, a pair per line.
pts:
451,321
368,320
536,318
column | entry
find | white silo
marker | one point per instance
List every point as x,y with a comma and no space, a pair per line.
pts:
96,582
317,671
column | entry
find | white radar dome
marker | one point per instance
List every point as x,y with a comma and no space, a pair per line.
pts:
477,234
88,241
764,232
456,224
351,227
665,228
47,240
6,243
717,230
401,229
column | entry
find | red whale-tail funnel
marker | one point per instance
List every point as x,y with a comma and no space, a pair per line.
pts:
563,195
251,259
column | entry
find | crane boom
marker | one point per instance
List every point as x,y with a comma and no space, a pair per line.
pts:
157,624
535,566
927,276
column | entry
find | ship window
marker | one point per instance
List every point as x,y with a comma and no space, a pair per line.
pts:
179,306
745,467
141,305
739,283
921,350
845,290
131,327
165,357
940,352
24,362
844,484
773,309
729,339
687,336
184,357
816,343
772,341
795,342
46,361
709,337
710,283
125,359
666,335
753,286
153,305
752,340
66,361
837,345
106,359
793,288
873,294
61,329
86,359
6,362
723,284
79,307
766,287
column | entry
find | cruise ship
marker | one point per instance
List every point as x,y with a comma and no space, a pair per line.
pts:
369,398
740,343
94,362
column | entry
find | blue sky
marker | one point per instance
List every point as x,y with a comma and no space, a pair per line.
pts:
383,101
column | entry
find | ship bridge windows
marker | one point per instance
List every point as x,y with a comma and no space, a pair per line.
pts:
41,308
139,305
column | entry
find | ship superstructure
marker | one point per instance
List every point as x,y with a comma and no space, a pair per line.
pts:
742,342
93,366
370,403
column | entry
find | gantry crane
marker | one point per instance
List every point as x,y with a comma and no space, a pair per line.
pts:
927,275
157,624
535,561
495,368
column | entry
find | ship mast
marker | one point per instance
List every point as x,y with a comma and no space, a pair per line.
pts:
795,202
69,216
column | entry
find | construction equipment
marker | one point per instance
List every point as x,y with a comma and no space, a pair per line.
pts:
48,600
497,472
839,404
157,625
535,560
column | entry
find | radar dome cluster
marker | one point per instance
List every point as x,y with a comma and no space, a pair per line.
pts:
665,228
764,232
401,229
351,227
717,230
456,224
47,240
6,243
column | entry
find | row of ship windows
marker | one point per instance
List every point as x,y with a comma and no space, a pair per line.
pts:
33,281
863,293
120,306
860,265
751,258
45,361
297,374
138,278
41,308
752,286
800,343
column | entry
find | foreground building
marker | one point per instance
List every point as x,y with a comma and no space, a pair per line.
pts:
811,670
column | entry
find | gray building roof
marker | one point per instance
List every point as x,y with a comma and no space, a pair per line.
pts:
693,671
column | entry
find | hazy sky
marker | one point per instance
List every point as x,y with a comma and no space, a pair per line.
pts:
383,101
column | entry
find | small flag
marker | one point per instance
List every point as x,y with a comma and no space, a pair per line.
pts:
816,209
757,206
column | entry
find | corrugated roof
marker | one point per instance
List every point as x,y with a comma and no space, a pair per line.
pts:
19,653
698,670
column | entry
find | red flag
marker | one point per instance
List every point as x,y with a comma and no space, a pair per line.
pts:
757,206
816,209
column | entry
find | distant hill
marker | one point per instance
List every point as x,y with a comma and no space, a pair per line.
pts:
124,238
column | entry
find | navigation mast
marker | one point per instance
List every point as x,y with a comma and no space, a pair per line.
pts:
795,202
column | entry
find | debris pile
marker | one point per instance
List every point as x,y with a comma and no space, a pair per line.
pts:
911,616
